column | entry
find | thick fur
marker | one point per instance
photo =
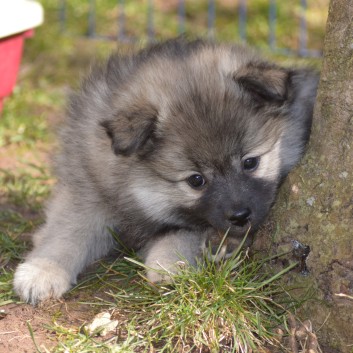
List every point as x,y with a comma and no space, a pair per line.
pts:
140,126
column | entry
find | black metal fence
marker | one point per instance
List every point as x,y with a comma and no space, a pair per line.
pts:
240,23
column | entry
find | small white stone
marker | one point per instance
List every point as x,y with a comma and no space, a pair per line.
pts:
310,201
343,175
295,189
102,324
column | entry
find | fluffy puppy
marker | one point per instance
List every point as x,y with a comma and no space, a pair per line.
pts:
169,147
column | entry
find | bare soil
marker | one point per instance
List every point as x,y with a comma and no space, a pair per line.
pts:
14,331
15,334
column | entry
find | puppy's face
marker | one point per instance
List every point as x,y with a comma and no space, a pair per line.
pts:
208,148
215,162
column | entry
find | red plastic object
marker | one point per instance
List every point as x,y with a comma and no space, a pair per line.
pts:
10,58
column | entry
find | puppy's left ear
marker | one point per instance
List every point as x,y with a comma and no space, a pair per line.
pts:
293,91
266,83
132,131
302,88
271,84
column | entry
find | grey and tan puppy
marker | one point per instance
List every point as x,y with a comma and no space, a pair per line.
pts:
173,145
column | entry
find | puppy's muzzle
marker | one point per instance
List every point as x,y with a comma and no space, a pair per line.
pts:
240,217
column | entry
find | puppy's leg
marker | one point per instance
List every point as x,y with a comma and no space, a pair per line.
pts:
164,255
73,237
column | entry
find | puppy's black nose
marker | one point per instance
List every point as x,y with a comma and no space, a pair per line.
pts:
240,217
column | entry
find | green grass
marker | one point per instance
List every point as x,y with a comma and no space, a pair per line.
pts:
78,341
229,307
233,306
22,195
24,188
12,224
6,295
23,119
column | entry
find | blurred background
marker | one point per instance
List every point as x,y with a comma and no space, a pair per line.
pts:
285,26
76,33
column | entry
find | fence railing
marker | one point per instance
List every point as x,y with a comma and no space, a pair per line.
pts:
240,21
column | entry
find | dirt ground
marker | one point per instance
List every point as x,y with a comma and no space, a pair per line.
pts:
14,331
17,319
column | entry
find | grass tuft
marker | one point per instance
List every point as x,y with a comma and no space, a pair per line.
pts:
232,306
6,294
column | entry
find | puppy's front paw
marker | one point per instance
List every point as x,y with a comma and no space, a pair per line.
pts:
158,273
40,279
155,276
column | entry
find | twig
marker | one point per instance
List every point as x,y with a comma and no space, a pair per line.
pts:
292,340
344,295
32,336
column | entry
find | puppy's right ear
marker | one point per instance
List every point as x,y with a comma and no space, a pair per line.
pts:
267,83
131,131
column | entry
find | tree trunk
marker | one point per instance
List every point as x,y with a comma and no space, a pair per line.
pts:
318,209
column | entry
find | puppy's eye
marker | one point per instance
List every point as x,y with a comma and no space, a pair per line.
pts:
251,164
196,181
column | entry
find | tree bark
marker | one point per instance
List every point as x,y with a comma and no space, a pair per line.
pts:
318,209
